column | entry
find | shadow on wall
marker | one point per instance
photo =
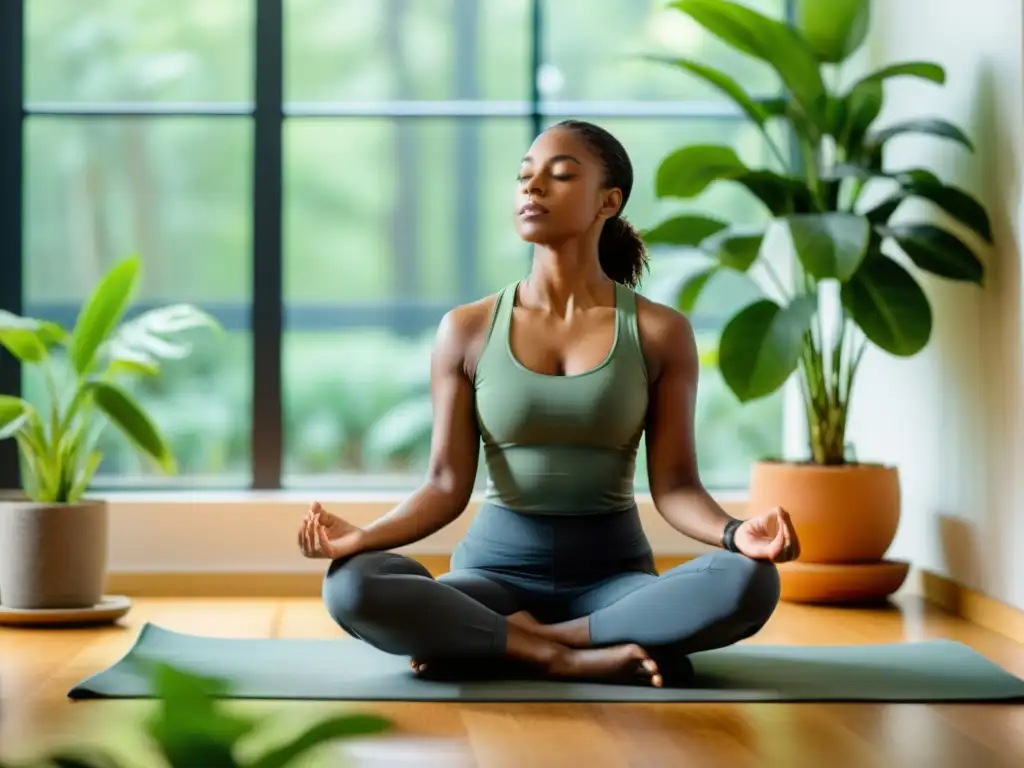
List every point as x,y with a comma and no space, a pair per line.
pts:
998,170
985,363
960,549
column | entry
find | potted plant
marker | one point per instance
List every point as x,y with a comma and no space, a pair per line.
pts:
836,272
191,728
53,542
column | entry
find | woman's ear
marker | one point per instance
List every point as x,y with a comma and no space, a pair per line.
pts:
612,203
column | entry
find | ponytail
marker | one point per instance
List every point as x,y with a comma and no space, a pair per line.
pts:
622,252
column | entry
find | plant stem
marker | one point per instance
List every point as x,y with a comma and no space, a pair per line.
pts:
774,278
783,164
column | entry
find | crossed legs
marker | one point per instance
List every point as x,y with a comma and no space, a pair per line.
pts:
630,623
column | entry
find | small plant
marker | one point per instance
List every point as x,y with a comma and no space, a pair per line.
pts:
191,729
57,442
840,248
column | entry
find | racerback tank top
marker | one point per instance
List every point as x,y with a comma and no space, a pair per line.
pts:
561,444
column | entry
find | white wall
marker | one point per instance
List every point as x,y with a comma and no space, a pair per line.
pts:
952,419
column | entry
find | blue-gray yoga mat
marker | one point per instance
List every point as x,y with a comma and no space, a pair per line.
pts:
347,669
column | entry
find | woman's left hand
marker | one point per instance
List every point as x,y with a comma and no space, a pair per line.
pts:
770,536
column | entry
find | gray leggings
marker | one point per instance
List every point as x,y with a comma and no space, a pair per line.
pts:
557,568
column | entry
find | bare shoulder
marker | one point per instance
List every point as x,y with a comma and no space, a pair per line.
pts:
666,335
462,330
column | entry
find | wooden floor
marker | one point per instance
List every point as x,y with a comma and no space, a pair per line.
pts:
37,667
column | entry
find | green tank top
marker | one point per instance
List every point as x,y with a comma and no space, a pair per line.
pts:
561,444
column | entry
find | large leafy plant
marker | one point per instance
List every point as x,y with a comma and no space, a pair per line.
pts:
191,728
57,441
839,245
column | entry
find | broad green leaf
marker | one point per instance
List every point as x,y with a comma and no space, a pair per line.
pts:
888,305
913,176
960,205
738,252
16,333
764,38
24,345
14,414
937,251
720,80
191,728
883,211
137,366
781,195
688,171
691,287
133,422
143,340
929,126
684,230
861,107
761,345
171,319
773,106
834,29
829,245
102,312
926,70
344,726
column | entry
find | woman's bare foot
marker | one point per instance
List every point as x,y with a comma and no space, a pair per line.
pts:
575,633
618,663
626,663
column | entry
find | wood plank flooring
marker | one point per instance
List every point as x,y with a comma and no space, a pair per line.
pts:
37,667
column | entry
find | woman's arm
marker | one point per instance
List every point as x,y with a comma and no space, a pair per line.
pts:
676,488
455,442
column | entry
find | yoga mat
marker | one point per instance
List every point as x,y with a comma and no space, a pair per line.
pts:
350,670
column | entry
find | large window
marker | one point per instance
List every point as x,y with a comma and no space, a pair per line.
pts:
328,177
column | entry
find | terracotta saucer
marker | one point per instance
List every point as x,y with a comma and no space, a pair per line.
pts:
842,583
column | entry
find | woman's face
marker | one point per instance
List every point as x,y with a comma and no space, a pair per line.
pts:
560,193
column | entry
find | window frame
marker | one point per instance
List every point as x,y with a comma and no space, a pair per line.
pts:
265,317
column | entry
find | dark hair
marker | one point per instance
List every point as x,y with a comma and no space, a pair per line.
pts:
621,250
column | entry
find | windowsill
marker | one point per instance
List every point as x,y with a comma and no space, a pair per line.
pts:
255,531
293,496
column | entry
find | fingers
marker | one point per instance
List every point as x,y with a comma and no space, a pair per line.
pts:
309,538
791,547
323,543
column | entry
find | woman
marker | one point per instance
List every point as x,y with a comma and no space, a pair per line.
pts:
559,375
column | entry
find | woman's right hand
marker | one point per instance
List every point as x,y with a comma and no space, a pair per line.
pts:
325,535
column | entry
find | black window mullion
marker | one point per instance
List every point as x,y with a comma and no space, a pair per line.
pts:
267,268
536,60
12,65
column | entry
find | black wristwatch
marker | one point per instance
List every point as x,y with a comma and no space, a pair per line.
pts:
729,535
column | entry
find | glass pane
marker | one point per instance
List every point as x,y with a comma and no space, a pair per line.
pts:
377,249
99,189
139,50
591,52
353,50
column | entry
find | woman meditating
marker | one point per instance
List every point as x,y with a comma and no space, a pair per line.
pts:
559,376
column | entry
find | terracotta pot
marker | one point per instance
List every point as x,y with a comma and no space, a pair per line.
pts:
842,514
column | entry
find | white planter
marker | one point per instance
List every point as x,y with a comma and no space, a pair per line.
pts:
53,555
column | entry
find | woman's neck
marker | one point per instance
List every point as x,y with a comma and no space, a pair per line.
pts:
567,278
